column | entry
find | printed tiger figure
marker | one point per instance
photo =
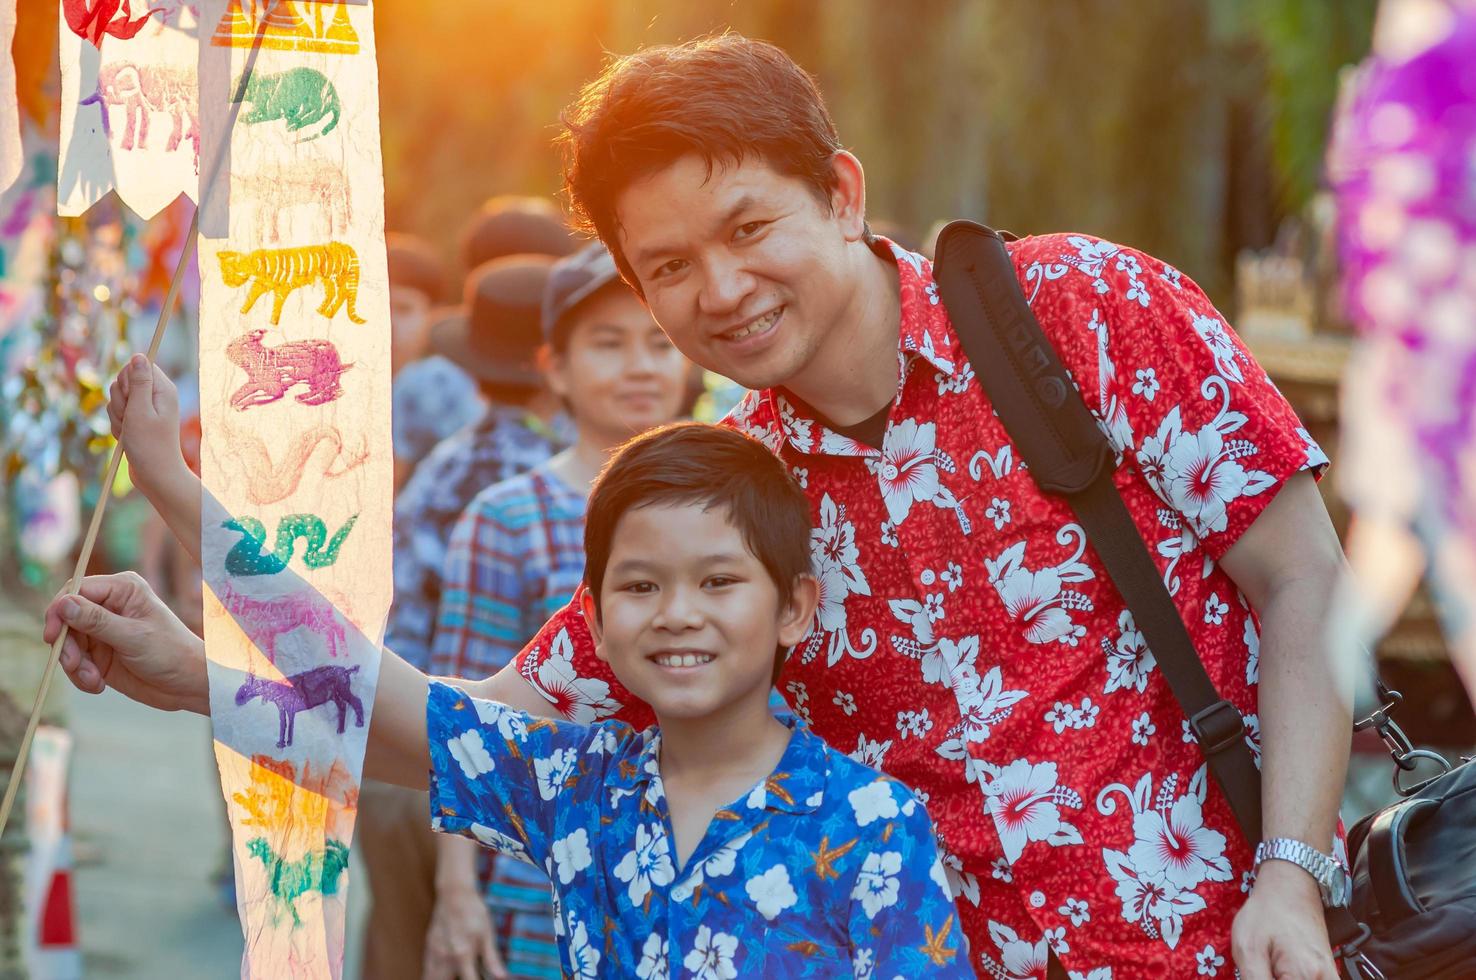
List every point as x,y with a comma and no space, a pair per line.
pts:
281,270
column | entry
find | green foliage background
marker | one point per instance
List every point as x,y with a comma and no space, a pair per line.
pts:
1189,128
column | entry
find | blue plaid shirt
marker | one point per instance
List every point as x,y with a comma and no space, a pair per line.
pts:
506,441
516,557
826,868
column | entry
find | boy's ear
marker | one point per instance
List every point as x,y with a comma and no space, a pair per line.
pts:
799,612
592,620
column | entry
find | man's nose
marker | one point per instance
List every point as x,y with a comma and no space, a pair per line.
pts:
725,285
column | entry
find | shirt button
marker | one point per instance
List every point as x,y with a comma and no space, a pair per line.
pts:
927,577
1037,899
889,471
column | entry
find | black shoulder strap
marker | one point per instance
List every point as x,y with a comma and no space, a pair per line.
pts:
1067,453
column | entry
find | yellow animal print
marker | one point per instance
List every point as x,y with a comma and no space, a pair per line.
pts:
281,270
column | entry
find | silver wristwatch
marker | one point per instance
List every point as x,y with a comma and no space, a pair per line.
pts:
1331,877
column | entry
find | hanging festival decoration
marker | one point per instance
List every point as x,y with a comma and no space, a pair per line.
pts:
130,116
294,353
10,135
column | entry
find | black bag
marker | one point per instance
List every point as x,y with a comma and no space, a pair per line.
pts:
1415,863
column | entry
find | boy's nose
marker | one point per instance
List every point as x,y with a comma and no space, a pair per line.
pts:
678,611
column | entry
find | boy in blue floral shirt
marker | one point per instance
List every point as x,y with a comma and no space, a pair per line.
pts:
723,840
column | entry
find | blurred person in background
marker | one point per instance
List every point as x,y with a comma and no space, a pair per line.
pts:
516,556
494,337
434,396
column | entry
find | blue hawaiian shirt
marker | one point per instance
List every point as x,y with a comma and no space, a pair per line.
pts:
826,868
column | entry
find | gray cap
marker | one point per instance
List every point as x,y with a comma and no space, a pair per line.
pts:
574,279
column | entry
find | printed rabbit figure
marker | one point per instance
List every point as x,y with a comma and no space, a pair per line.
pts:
272,371
282,270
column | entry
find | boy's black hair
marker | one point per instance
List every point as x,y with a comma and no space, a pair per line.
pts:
711,465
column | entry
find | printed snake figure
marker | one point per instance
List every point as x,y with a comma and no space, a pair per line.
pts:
247,557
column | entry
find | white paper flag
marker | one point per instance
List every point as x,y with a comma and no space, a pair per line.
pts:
10,136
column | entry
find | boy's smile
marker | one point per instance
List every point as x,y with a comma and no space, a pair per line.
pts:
690,619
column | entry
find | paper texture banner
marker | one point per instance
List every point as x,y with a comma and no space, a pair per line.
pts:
10,136
129,107
294,405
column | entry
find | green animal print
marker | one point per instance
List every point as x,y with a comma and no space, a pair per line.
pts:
316,871
300,97
248,558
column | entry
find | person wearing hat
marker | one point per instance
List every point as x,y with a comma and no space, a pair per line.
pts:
516,554
515,224
494,336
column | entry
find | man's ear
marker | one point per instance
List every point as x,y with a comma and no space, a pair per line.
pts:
592,620
848,198
799,612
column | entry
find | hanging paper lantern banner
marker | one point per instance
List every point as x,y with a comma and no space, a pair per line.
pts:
294,355
10,136
130,116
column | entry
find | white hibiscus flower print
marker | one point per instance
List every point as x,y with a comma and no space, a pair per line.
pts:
801,476
1064,715
653,959
1129,661
1253,737
913,724
1252,651
496,840
833,545
889,534
908,471
711,956
584,700
1038,600
718,864
1019,959
1172,276
1143,729
1209,961
571,855
873,802
771,892
998,511
1146,384
1149,899
471,753
1098,973
877,885
863,964
1002,871
555,771
648,864
846,702
982,701
584,959
1215,609
1174,842
952,576
1026,805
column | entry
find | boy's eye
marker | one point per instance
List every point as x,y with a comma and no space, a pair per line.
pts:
639,588
719,581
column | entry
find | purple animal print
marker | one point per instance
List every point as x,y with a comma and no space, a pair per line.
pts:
266,619
303,692
143,89
272,371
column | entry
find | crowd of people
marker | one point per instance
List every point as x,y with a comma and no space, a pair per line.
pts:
593,572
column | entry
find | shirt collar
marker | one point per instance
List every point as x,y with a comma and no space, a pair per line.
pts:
797,784
924,334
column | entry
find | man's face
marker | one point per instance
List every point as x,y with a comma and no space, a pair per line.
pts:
747,270
618,372
408,309
690,618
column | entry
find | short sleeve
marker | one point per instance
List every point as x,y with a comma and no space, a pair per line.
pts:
1180,396
479,623
500,776
902,918
561,665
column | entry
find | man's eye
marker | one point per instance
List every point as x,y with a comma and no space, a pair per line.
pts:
749,228
669,268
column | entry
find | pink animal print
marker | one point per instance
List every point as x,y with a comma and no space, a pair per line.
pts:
143,89
266,619
273,371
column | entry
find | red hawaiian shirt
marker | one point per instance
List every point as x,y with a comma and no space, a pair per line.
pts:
969,642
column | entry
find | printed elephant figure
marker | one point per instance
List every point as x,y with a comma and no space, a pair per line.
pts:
143,89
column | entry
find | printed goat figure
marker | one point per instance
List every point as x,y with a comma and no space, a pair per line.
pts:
304,692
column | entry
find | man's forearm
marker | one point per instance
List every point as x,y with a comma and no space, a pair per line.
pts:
1305,715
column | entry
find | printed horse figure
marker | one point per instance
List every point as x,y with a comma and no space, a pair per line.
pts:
303,692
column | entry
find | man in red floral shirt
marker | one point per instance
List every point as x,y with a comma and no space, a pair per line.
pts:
968,640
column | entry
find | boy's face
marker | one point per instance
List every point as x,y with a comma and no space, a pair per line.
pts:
690,618
408,310
747,270
618,372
